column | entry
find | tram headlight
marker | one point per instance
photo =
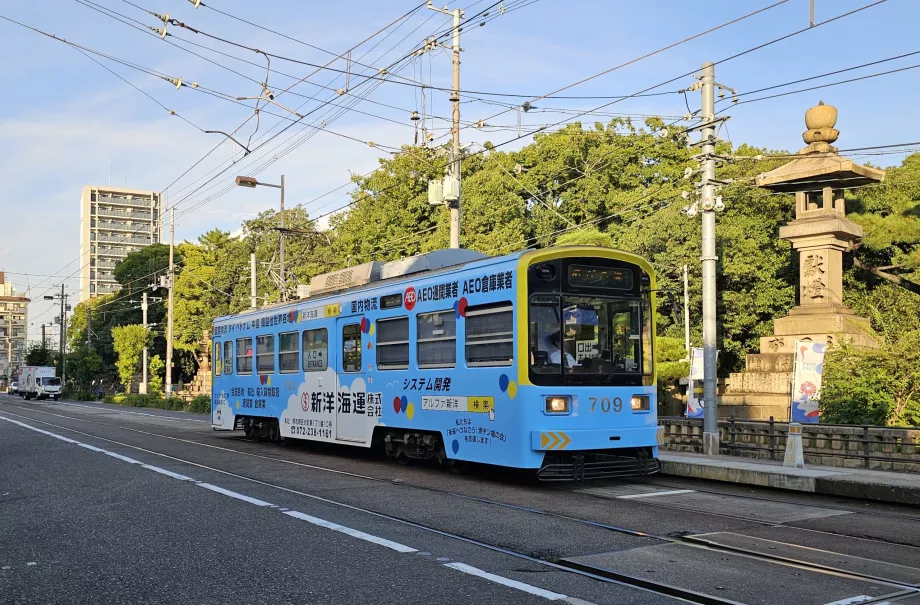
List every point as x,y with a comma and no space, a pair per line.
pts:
640,403
557,404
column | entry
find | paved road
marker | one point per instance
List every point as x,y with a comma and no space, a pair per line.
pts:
103,504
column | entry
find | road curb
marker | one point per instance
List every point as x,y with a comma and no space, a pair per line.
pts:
885,487
744,476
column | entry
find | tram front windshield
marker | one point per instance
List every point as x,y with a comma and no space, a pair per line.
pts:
589,339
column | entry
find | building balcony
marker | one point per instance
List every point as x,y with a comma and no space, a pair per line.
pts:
139,202
118,239
113,251
139,215
138,227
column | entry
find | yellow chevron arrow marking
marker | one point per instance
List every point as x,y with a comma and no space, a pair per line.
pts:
660,435
565,441
543,440
555,443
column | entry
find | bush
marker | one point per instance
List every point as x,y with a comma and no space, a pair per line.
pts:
200,404
109,399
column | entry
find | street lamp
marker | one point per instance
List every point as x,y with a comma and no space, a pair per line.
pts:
252,183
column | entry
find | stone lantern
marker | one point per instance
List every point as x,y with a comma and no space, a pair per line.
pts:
820,233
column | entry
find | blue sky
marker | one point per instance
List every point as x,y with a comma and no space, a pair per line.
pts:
65,118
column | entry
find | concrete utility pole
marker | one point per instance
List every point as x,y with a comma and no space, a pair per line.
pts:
169,320
686,313
709,258
63,339
253,302
709,204
89,327
281,245
9,344
454,204
142,388
44,342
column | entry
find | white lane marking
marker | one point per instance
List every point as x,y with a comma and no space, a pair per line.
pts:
162,417
120,457
91,447
851,600
468,569
669,492
236,495
163,471
475,571
354,533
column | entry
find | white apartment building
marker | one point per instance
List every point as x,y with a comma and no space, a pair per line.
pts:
13,328
114,221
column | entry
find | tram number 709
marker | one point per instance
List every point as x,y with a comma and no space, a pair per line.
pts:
606,404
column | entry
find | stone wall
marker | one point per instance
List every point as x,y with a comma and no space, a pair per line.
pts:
831,445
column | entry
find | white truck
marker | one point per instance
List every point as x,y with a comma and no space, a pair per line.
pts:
39,382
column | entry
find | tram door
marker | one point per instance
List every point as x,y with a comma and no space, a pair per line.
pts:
350,421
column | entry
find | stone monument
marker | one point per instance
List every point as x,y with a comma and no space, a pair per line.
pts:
820,234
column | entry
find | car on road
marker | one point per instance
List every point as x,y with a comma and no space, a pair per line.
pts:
13,388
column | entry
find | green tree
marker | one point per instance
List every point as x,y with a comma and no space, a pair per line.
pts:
129,342
84,369
41,356
156,368
139,269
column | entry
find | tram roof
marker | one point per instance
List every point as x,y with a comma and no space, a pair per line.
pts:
409,268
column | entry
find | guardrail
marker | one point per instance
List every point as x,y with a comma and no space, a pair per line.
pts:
846,445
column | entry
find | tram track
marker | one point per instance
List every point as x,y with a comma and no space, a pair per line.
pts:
601,574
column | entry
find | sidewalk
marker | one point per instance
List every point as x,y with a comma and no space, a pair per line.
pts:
884,486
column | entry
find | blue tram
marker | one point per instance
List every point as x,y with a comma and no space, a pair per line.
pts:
542,360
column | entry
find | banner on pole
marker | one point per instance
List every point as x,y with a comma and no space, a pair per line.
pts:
695,386
806,381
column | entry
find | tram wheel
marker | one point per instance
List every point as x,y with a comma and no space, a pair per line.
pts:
457,467
247,428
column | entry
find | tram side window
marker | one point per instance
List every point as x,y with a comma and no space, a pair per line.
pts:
244,356
351,348
490,335
228,357
393,343
265,354
315,348
287,352
217,363
437,339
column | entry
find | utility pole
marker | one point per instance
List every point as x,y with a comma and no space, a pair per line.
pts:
44,342
169,322
453,199
281,245
9,343
89,327
254,303
686,314
708,205
63,339
142,389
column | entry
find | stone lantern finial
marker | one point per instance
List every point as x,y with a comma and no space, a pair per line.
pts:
820,121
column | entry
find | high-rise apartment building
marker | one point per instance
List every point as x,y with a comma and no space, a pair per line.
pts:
114,222
14,316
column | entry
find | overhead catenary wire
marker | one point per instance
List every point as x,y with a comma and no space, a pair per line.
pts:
286,128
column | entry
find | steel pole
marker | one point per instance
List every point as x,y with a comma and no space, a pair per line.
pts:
63,340
686,313
253,302
169,310
709,258
455,131
142,389
281,246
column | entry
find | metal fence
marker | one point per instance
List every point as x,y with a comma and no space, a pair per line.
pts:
846,445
